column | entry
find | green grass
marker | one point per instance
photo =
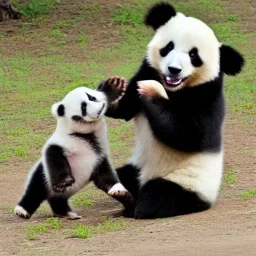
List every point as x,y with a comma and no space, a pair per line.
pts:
230,176
248,194
109,225
34,8
80,200
82,231
33,231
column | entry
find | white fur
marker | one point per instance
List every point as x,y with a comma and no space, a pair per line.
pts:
118,187
20,211
186,33
81,157
200,173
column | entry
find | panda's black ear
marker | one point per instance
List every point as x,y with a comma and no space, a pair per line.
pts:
231,61
58,109
159,14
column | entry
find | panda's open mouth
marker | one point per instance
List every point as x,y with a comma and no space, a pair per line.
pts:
174,81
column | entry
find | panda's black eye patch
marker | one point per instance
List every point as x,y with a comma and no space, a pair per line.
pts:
61,110
195,58
91,98
83,108
169,47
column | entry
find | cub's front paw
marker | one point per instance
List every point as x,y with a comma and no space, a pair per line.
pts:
119,192
115,87
63,184
151,88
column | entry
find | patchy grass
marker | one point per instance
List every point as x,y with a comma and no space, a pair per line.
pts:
109,225
82,231
230,176
34,230
248,194
34,8
79,200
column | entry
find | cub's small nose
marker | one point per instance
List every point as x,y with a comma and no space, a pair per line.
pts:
174,71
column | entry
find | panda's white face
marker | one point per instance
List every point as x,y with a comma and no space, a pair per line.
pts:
81,106
185,51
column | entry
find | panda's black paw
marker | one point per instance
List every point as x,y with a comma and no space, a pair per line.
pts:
63,184
128,212
115,87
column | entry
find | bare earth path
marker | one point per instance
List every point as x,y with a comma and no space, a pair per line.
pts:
229,228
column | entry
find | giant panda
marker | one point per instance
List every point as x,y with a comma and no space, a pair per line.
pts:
177,104
75,154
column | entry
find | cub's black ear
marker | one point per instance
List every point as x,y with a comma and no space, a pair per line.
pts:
231,61
159,14
58,109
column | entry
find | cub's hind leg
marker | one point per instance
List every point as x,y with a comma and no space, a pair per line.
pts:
61,208
107,180
35,193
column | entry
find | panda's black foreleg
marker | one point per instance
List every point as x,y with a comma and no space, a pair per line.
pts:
105,178
35,193
160,198
58,168
61,208
128,175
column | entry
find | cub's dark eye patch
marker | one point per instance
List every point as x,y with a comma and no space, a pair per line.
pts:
61,110
195,58
83,108
169,47
91,98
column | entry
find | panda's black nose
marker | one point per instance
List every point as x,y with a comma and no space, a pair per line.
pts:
174,71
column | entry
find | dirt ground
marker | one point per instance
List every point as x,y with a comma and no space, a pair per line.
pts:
229,228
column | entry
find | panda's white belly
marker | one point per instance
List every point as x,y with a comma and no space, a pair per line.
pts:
200,173
82,160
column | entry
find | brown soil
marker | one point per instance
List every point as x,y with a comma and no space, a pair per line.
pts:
229,228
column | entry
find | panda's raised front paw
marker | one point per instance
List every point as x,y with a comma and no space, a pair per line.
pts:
115,87
63,184
151,88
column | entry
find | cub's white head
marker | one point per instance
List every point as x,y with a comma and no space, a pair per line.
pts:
80,108
186,51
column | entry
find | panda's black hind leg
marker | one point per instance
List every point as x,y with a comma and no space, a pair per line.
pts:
61,208
35,193
160,198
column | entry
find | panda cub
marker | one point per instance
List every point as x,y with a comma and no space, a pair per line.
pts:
178,109
76,153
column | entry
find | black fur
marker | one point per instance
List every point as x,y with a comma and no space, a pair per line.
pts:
128,175
165,50
191,119
59,206
83,108
61,110
159,14
104,178
195,58
231,61
36,191
160,198
91,139
59,168
126,110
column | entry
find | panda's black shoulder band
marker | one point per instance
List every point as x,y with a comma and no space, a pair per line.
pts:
159,14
